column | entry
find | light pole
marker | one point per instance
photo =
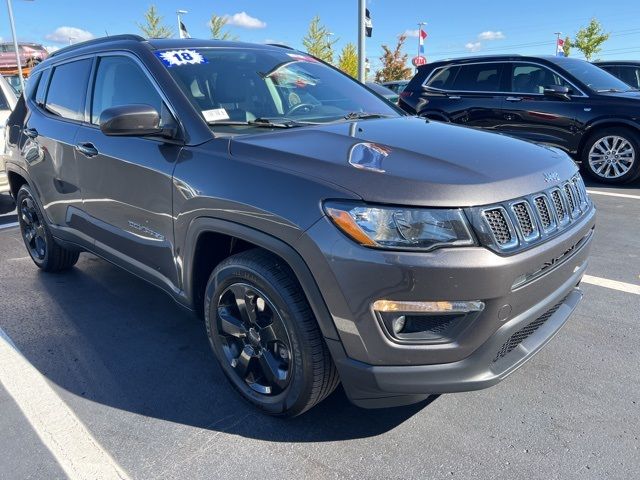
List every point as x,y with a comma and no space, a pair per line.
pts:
15,43
361,40
179,14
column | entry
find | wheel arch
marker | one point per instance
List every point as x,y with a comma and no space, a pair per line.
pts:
211,240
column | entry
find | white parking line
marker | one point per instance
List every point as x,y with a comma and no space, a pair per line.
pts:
613,194
75,449
613,284
9,225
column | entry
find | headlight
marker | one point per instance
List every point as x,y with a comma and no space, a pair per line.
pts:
401,228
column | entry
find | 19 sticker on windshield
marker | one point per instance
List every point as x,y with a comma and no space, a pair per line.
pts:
176,58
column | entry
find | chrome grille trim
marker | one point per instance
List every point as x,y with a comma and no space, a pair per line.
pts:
518,224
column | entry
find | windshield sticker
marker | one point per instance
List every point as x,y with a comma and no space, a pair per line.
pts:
303,58
173,58
215,115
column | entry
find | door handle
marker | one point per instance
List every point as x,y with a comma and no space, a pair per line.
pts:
454,97
87,149
513,99
31,132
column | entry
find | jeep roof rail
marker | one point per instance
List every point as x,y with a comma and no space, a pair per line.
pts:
96,41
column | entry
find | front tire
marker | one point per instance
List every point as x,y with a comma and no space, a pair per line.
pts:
265,336
43,249
612,155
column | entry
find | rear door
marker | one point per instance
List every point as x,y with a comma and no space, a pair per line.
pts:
127,180
467,94
530,114
56,111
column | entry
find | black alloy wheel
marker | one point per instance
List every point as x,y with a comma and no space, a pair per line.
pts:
45,252
265,335
254,339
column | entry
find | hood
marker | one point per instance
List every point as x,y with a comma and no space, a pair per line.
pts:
422,163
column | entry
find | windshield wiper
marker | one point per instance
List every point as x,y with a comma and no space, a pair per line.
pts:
610,90
262,123
364,115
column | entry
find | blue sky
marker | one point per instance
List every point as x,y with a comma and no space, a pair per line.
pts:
454,28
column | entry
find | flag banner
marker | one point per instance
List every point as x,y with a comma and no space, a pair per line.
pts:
368,24
560,48
421,38
183,31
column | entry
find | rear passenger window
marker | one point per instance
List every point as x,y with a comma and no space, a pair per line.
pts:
68,88
442,78
481,77
120,81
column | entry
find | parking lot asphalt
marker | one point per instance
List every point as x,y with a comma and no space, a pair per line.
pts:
136,372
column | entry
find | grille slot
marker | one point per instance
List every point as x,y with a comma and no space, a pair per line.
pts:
558,205
525,220
570,199
499,225
521,335
544,213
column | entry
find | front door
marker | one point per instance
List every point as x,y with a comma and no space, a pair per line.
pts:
530,114
127,180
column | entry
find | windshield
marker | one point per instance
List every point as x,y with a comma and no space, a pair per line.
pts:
231,85
594,77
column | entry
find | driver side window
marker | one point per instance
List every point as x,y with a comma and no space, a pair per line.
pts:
531,78
120,81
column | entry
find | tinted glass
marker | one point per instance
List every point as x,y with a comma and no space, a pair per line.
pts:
41,91
67,89
4,104
244,84
630,75
120,81
531,78
593,77
478,78
443,78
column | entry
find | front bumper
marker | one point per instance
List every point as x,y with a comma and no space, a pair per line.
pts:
378,371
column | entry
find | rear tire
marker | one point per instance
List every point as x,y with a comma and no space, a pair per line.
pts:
42,247
612,155
265,336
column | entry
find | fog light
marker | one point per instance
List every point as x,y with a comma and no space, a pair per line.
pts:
398,324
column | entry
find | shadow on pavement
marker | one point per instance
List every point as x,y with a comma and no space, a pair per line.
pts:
6,204
113,339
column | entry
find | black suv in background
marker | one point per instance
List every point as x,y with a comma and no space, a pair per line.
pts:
627,71
324,235
561,102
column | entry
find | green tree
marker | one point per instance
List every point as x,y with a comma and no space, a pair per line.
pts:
566,48
348,60
152,26
318,41
394,63
218,32
589,39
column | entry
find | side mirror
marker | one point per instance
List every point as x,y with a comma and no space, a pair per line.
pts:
131,120
557,91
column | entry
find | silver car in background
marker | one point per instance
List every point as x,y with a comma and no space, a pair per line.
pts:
7,103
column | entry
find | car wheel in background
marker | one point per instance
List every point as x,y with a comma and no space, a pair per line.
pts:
265,335
612,155
42,248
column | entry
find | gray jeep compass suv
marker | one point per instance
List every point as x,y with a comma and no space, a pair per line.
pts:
324,235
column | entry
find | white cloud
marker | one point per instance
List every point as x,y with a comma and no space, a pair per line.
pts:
473,46
244,20
64,34
491,35
411,33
